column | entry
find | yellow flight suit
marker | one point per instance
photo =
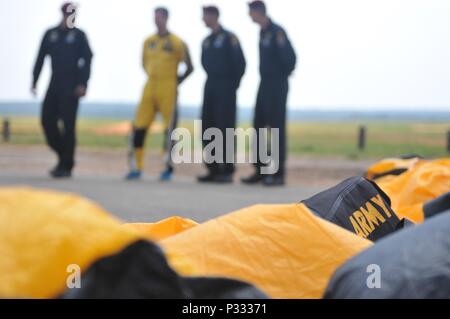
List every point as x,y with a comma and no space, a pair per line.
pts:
161,57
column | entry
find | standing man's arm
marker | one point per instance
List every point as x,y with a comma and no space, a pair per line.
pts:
203,56
43,51
189,66
85,69
238,59
286,51
144,61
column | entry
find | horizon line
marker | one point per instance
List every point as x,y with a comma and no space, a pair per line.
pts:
327,108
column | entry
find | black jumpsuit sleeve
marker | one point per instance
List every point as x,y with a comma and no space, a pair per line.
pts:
86,57
43,51
238,59
286,51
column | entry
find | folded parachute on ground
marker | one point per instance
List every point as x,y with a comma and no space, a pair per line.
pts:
284,250
141,271
391,167
410,191
45,237
42,233
413,263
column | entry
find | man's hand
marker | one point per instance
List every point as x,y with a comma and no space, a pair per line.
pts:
237,84
33,90
80,91
180,79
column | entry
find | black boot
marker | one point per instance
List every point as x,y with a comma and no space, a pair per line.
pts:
209,178
61,172
253,179
55,169
273,180
224,179
58,166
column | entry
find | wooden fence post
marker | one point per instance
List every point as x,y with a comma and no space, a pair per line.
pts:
6,130
362,134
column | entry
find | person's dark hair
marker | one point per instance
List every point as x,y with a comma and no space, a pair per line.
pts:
162,10
258,5
68,8
211,10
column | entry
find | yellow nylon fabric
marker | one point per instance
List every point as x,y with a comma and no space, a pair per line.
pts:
390,164
163,229
284,250
42,233
409,191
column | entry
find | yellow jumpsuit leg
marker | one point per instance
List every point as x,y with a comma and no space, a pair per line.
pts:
144,117
166,99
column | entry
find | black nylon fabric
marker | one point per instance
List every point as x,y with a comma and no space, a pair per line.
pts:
140,271
413,263
396,172
437,206
348,203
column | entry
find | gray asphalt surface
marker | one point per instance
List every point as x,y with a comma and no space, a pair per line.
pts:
150,200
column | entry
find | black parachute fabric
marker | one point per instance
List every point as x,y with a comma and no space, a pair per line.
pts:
140,271
358,205
437,206
413,263
392,166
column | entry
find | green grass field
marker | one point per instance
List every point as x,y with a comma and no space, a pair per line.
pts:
384,139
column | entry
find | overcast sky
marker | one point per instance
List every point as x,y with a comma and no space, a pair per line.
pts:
354,54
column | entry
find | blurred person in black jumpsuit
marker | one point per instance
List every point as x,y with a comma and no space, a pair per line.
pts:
71,58
277,62
224,63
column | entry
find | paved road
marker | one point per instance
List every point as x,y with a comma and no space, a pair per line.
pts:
98,177
150,200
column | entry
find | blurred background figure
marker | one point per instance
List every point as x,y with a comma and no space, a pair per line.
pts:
224,63
277,62
162,54
71,57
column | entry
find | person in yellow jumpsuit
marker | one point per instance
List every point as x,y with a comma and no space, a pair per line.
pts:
162,55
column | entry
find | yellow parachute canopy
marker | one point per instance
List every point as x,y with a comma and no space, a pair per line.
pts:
387,168
43,233
163,229
425,181
284,250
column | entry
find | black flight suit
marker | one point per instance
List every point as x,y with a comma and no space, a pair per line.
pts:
277,62
71,64
224,63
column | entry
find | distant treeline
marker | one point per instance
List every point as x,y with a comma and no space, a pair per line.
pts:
126,111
